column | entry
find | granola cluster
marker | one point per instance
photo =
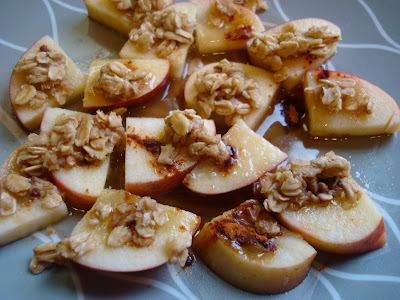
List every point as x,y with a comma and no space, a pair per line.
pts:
118,81
18,186
44,73
140,9
186,130
165,30
339,94
73,140
273,48
322,180
135,223
227,91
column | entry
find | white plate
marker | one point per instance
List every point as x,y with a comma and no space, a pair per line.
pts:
370,49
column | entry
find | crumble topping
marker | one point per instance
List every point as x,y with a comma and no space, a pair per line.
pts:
221,10
44,73
339,94
51,253
116,80
178,248
136,223
99,213
73,140
141,8
186,130
272,49
227,91
166,29
18,186
254,5
301,182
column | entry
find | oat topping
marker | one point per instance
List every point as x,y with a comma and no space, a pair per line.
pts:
186,130
141,8
136,223
164,30
99,213
255,5
272,49
118,81
339,94
222,11
227,91
178,248
74,140
51,253
44,73
18,186
322,180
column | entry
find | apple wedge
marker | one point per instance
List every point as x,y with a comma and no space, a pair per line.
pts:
84,181
125,233
27,204
43,77
144,43
252,157
222,28
241,252
334,229
292,48
119,17
142,79
261,95
343,104
320,200
144,175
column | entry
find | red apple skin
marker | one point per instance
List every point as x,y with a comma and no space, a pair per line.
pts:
393,123
137,100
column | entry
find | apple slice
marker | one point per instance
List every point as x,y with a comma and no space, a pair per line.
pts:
28,97
122,20
171,236
335,229
292,48
235,247
224,30
35,206
360,107
143,79
178,55
252,157
265,91
82,183
320,200
144,175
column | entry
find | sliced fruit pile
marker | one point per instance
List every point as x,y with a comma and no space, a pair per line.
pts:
318,201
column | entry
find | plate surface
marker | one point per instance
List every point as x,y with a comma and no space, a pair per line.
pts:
370,49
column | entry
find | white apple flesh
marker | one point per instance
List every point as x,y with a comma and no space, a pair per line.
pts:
334,229
297,66
94,99
144,175
265,80
30,118
30,215
383,119
178,55
233,33
257,271
82,183
130,258
253,157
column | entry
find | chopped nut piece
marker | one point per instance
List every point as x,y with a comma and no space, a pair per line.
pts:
44,73
119,236
291,43
221,12
339,94
227,91
186,130
99,213
301,182
164,30
81,243
116,80
178,252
